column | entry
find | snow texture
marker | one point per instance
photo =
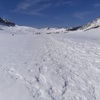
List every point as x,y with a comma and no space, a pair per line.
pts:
39,66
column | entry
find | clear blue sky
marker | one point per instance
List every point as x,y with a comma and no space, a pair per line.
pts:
50,13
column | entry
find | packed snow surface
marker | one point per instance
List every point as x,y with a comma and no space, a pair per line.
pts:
64,66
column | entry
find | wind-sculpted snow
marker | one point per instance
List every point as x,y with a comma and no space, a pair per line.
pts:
49,67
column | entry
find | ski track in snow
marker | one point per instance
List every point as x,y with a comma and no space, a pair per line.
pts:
63,70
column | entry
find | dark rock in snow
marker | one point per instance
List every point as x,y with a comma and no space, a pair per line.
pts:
74,28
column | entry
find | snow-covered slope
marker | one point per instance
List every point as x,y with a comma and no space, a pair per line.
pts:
49,67
91,25
30,30
6,22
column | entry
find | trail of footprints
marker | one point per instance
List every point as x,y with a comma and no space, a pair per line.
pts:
54,75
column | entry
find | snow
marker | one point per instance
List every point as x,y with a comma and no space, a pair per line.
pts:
30,30
93,24
63,66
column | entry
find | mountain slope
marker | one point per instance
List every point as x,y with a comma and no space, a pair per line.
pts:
6,22
93,24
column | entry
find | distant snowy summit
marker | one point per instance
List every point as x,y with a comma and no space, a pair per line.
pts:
91,25
6,22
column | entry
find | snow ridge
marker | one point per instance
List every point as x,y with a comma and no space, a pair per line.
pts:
93,24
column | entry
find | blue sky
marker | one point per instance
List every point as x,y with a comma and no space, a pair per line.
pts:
50,13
